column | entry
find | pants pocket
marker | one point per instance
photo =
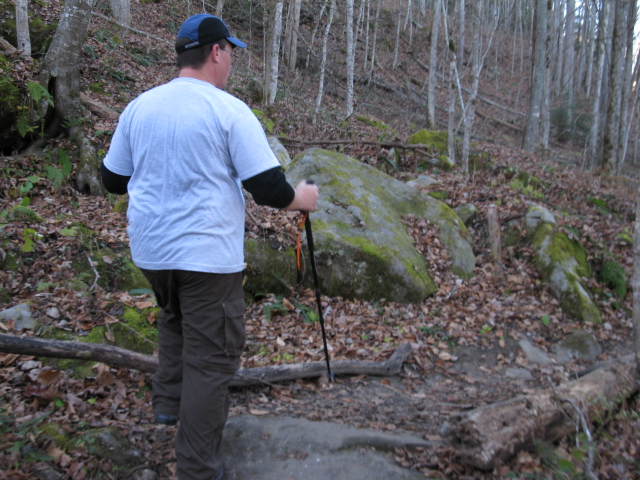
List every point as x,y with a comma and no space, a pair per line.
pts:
234,328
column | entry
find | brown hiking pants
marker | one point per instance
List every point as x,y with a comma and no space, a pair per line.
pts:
201,332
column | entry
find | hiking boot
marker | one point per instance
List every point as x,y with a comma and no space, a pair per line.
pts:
166,420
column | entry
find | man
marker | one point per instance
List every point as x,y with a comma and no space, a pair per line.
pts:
181,151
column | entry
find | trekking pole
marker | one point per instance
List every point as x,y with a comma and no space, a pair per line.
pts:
316,283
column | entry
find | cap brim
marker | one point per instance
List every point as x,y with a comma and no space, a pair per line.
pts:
236,42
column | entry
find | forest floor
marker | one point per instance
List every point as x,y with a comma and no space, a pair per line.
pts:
486,313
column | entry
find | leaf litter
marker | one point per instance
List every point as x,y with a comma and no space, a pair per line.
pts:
484,312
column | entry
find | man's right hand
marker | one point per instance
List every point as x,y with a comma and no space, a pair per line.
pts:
306,198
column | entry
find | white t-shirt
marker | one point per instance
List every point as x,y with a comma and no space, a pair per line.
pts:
187,146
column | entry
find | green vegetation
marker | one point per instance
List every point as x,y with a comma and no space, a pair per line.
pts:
614,276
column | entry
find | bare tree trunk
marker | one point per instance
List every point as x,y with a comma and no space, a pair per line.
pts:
121,10
532,129
22,27
273,56
495,240
591,60
323,63
632,110
585,40
367,26
219,7
625,120
569,63
396,49
60,75
557,16
611,143
461,32
635,285
315,31
593,143
409,20
433,58
451,127
351,57
375,38
291,35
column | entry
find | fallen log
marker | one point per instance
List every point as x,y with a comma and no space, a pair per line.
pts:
245,377
490,435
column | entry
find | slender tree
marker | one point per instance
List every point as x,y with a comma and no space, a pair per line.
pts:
22,26
396,49
569,63
462,20
636,284
273,55
532,129
323,61
315,31
433,58
611,143
593,142
374,40
291,34
121,10
351,57
627,85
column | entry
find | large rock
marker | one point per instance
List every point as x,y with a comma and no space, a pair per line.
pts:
563,265
276,448
362,247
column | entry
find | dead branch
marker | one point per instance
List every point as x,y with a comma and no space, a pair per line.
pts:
97,108
418,147
495,241
244,377
132,29
487,436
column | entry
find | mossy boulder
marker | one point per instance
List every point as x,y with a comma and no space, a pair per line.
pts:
613,275
372,122
280,152
579,344
135,331
438,140
362,247
116,270
467,212
563,265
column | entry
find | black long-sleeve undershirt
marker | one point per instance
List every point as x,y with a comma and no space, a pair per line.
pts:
267,188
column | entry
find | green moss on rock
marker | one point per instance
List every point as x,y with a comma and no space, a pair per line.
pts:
563,265
372,122
362,247
615,277
439,140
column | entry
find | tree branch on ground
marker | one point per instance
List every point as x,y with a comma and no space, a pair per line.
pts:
245,377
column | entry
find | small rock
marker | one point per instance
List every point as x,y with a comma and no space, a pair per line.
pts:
466,212
423,181
534,354
519,373
21,317
579,344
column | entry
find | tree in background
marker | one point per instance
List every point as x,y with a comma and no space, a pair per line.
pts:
22,26
121,10
532,130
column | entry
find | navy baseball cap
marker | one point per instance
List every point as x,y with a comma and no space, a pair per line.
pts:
202,29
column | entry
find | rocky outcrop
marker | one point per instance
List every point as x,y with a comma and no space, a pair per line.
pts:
563,265
362,247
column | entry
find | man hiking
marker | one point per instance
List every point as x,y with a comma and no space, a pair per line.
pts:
182,151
